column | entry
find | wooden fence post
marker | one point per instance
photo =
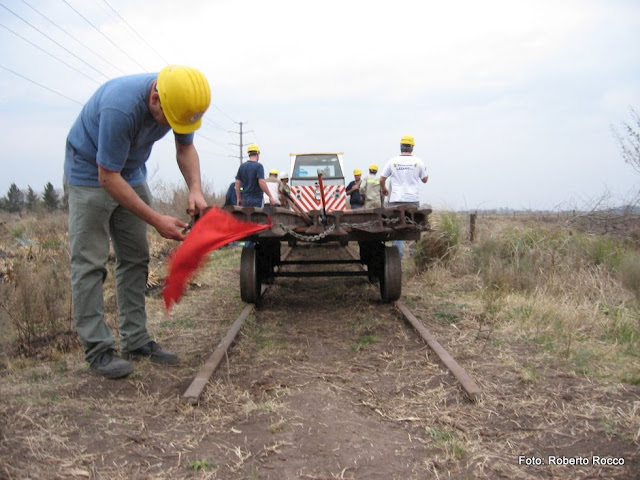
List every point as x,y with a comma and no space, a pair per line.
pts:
472,226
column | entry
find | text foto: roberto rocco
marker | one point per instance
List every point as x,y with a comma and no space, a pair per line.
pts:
595,460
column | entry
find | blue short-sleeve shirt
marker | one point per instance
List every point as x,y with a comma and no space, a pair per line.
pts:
249,173
116,131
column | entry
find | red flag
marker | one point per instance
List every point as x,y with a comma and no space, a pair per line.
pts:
215,229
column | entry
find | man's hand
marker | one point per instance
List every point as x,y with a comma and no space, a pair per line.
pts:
170,227
383,186
196,203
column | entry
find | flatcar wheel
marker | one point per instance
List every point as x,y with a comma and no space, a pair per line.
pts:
391,279
249,279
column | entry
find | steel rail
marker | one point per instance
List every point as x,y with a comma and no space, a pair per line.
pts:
470,387
193,393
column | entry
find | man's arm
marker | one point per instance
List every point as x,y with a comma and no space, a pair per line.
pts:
265,189
125,195
363,188
238,196
425,179
383,188
356,186
189,163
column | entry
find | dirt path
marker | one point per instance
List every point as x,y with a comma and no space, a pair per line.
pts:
324,382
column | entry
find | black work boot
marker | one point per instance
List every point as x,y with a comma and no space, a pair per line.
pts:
110,365
153,352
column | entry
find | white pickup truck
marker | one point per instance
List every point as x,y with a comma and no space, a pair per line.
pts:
305,186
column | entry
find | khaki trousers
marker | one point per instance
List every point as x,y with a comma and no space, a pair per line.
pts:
95,219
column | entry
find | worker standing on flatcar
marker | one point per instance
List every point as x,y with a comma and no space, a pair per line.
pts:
250,182
284,190
407,172
273,184
370,188
353,190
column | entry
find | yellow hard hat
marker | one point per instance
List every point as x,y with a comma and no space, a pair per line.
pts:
407,140
357,171
273,171
253,148
184,96
373,167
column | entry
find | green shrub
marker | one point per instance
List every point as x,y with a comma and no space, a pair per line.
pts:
440,243
508,263
595,250
630,272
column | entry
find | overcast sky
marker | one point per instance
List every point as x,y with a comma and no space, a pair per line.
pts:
511,103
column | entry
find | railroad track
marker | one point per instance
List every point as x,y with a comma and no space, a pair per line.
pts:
194,392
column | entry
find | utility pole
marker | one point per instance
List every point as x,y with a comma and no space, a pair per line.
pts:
241,144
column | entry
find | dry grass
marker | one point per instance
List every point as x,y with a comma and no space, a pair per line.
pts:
34,288
543,317
171,198
572,293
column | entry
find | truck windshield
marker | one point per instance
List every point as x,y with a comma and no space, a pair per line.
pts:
309,166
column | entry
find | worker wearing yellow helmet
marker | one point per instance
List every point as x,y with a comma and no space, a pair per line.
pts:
407,172
353,190
250,181
370,188
109,201
272,183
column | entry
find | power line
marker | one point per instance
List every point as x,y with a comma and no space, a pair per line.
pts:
40,85
51,55
47,36
105,36
71,36
134,31
221,111
213,141
211,122
207,120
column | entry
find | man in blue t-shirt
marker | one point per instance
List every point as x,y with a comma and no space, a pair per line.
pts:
250,179
353,190
230,197
109,200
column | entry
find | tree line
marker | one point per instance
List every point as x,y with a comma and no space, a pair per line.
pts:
18,201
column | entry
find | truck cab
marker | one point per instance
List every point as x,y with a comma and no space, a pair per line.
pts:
305,187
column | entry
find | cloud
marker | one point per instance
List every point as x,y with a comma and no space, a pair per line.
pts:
510,102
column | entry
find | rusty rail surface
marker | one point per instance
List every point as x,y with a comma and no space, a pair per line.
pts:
470,387
194,391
